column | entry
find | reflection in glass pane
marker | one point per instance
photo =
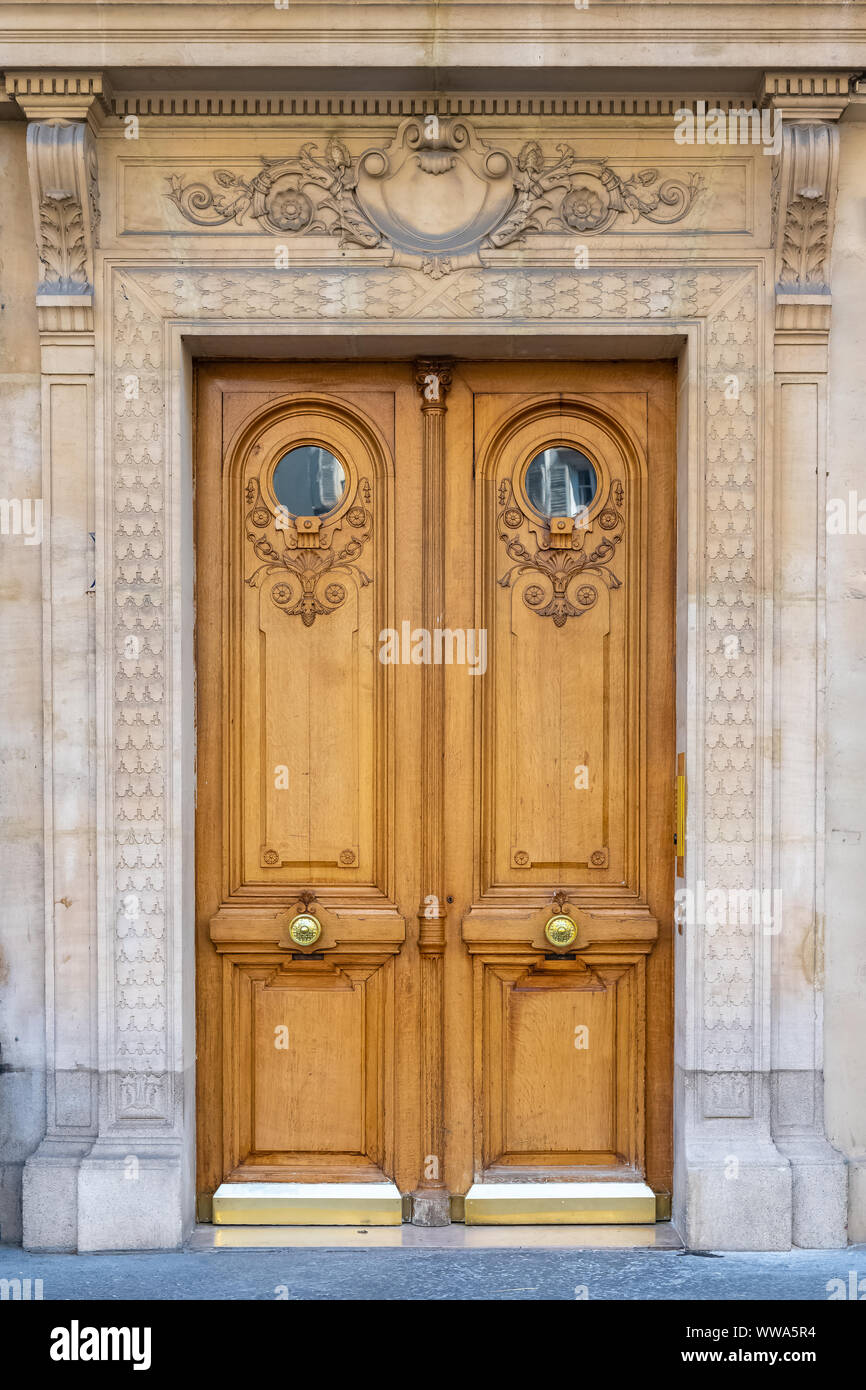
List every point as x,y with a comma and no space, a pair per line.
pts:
560,482
309,481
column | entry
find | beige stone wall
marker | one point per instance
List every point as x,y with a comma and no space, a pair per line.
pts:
846,688
22,915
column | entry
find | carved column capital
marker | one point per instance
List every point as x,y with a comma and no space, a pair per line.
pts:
806,108
61,157
433,380
64,110
803,210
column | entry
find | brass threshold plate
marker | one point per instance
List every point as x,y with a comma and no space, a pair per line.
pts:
307,1204
560,1204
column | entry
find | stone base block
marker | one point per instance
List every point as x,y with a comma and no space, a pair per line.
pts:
820,1194
431,1207
50,1195
737,1200
132,1201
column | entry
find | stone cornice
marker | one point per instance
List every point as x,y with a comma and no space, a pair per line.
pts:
86,94
816,96
422,34
59,95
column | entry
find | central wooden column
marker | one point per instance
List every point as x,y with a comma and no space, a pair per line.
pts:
431,1204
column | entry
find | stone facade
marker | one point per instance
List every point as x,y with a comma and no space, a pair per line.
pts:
148,226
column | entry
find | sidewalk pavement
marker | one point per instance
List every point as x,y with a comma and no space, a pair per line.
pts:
435,1271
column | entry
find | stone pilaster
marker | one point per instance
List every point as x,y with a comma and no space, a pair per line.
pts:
804,196
758,1171
63,111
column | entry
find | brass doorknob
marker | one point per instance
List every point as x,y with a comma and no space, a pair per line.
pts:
560,929
305,929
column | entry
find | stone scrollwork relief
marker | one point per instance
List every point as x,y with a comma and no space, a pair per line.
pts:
564,586
436,196
584,195
303,194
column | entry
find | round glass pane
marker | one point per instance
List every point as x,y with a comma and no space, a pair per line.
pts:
560,482
309,481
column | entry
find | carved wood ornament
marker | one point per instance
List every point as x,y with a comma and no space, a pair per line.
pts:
311,561
562,562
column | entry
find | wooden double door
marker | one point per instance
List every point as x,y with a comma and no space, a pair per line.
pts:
435,777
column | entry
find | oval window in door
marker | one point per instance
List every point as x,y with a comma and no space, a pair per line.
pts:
309,481
561,481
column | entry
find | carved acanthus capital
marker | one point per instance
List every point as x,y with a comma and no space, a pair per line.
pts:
806,108
804,197
64,110
61,157
62,162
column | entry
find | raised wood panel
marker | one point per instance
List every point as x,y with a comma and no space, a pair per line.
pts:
560,747
308,764
325,815
545,1102
310,1095
308,1062
547,692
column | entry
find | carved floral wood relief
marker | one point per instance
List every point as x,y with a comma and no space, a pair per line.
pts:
564,589
437,195
311,587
